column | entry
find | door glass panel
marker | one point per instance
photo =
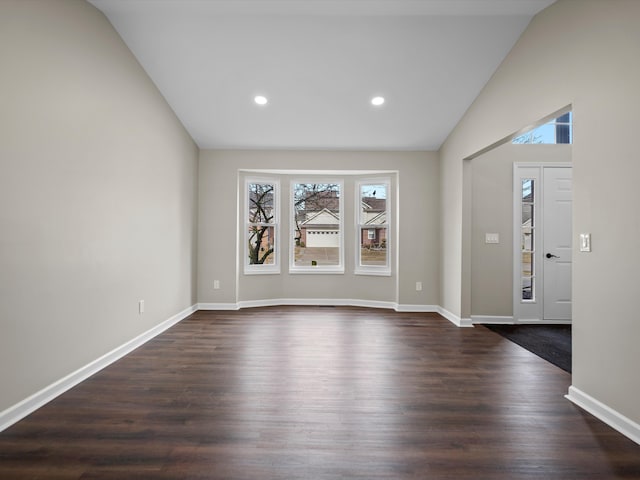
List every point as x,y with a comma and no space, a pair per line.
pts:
527,245
527,215
527,288
527,264
527,240
527,190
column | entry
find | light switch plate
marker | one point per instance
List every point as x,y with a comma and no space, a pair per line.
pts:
585,242
491,238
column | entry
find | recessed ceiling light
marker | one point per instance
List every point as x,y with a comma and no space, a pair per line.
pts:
260,100
377,101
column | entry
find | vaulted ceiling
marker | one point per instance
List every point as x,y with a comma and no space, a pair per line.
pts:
319,63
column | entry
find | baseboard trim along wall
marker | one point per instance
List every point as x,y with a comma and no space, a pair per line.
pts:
30,404
614,419
218,306
455,319
504,320
338,302
493,319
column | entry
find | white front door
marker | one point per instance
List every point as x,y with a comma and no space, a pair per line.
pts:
542,243
556,241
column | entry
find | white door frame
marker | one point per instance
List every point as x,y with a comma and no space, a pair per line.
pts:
530,311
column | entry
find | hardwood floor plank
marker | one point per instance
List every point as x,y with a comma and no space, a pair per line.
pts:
319,393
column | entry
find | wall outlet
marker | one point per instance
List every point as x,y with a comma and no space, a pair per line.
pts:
216,284
141,307
418,286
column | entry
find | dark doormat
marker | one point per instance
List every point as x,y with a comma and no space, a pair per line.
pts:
551,342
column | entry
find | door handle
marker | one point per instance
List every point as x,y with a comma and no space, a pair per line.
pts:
551,255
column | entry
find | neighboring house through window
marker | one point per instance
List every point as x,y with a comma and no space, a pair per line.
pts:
317,225
372,220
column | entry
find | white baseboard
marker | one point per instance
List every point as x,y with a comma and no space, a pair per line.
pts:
455,319
30,404
532,321
504,320
217,306
608,415
492,319
338,302
416,308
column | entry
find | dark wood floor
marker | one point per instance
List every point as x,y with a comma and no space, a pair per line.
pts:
319,393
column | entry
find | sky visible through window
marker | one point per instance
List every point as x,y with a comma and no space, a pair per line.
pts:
557,131
374,191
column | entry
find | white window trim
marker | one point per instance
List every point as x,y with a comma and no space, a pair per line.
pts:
318,269
253,269
374,270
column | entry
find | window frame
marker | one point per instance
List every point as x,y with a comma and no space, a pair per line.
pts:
317,269
360,226
261,269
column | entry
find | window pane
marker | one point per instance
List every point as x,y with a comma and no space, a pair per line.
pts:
527,215
527,264
556,131
373,204
373,246
527,190
545,134
527,239
563,128
317,224
261,203
261,248
527,288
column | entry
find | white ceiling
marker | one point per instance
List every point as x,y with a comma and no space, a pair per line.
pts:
320,62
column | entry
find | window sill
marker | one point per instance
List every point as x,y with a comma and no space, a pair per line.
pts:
382,272
316,270
262,271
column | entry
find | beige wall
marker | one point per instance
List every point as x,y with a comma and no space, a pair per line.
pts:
492,212
580,52
97,195
418,178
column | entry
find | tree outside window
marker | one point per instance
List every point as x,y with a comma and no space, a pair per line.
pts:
262,226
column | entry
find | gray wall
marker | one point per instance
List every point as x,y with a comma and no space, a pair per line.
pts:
492,212
418,176
97,195
584,53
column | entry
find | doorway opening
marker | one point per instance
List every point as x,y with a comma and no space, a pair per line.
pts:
542,243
